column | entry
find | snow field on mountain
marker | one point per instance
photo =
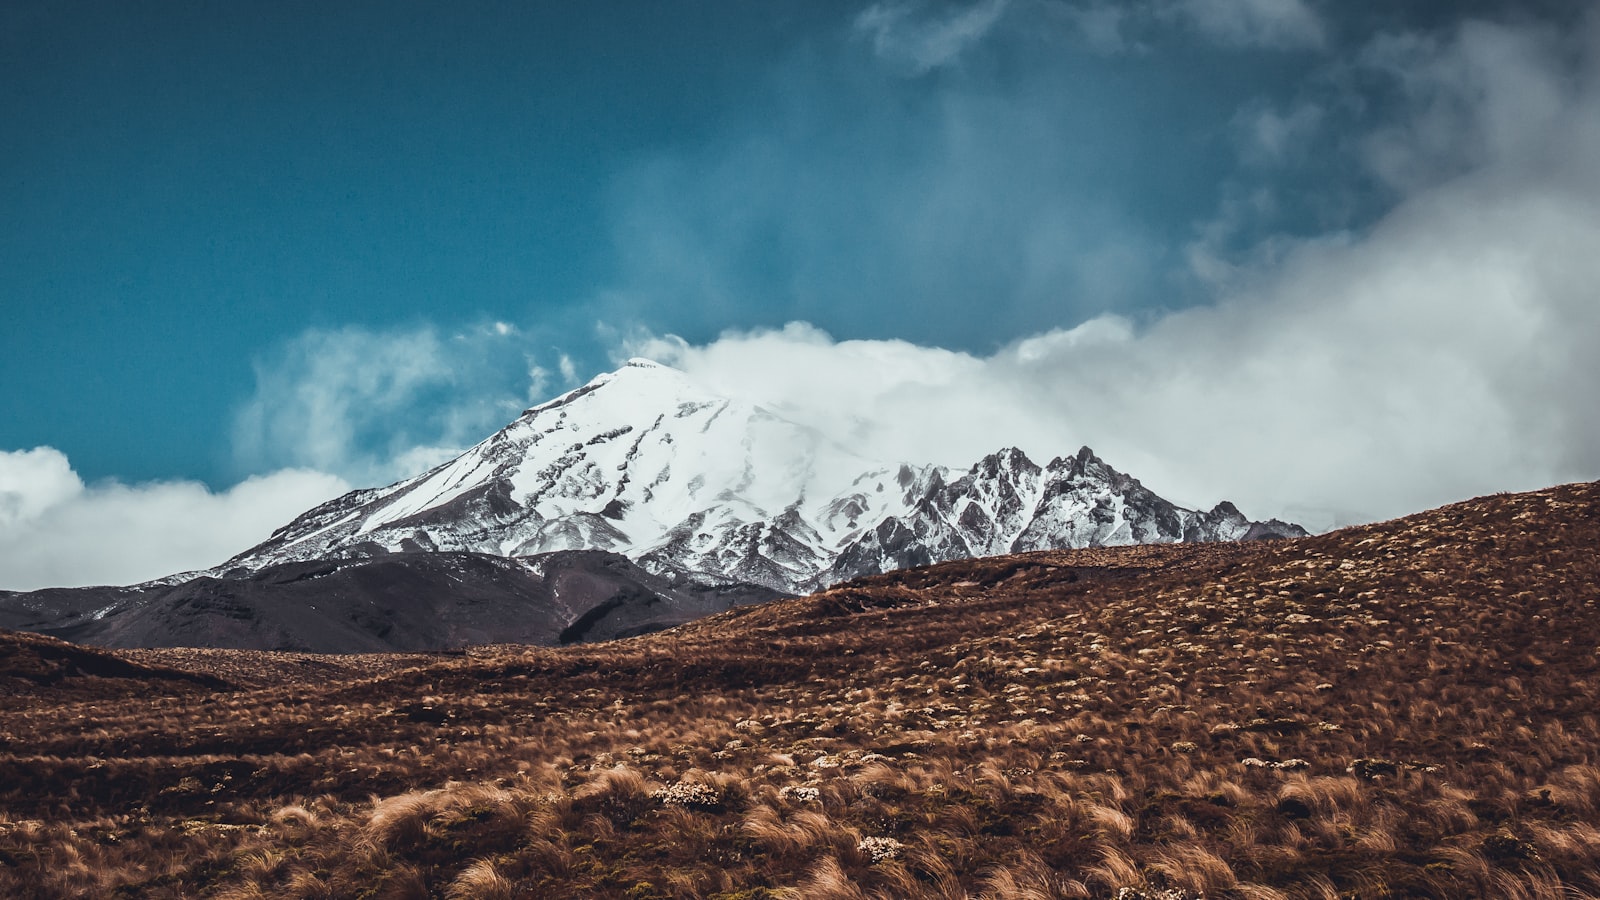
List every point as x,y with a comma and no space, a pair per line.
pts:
649,464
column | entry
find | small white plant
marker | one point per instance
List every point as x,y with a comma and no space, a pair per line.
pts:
800,794
687,793
880,849
1129,893
1288,765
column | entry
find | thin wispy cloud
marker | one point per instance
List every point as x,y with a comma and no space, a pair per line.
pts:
910,34
1273,137
967,207
1132,26
377,406
1282,24
1483,96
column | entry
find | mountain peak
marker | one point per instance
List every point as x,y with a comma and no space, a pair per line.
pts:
648,377
646,462
1008,459
639,362
635,374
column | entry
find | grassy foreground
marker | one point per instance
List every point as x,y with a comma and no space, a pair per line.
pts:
1410,709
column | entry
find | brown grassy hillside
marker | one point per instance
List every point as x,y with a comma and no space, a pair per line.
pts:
1410,709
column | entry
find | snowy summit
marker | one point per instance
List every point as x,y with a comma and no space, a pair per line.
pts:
647,463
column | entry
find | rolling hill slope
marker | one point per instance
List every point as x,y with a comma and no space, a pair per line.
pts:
1399,710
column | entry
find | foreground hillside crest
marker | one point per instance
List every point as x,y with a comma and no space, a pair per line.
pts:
1393,711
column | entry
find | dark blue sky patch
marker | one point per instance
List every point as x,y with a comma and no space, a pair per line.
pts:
186,190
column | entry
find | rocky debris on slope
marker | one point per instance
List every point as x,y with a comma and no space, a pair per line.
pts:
1007,504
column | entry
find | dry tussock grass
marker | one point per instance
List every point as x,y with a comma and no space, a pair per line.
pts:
1402,710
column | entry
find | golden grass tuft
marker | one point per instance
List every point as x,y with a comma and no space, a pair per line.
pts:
480,881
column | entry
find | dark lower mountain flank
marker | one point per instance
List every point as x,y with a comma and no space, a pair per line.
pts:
395,602
634,503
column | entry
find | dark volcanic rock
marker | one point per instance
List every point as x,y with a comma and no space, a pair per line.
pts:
397,601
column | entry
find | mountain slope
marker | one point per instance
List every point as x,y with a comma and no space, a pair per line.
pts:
407,601
646,463
671,501
1398,710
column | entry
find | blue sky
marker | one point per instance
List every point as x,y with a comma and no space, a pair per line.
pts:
345,239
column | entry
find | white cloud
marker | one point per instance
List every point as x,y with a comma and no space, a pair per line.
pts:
57,532
1445,352
377,406
1119,27
1445,356
332,408
32,481
902,34
1283,24
538,383
1101,24
1486,95
879,398
1269,137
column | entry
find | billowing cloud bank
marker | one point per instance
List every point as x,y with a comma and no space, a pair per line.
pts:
55,531
1447,351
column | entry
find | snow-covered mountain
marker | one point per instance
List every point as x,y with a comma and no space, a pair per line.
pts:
646,463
